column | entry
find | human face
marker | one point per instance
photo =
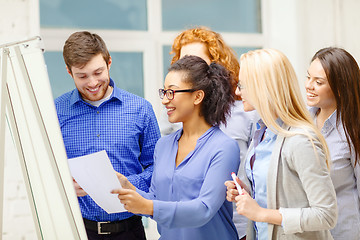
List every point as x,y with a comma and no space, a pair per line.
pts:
318,91
92,80
181,107
241,91
196,49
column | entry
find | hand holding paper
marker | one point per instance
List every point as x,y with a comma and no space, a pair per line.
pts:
96,176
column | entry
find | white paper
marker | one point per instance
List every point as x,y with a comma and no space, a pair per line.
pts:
95,174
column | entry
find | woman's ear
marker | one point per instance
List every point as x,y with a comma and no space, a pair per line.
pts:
199,97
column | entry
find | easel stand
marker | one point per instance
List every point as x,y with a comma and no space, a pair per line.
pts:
27,104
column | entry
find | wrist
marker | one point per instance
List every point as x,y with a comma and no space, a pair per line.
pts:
149,207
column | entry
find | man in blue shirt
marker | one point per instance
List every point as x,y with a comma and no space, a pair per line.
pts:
99,116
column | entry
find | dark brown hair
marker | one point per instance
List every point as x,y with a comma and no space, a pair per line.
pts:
81,47
214,80
343,75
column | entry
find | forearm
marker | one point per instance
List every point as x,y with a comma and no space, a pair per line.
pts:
271,216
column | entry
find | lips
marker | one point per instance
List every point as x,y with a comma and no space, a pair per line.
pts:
310,95
93,90
170,110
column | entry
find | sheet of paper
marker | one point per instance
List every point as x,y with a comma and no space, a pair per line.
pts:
95,174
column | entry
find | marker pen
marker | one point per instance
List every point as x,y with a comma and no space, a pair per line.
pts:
233,175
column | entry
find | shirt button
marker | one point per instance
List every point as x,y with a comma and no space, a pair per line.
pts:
98,135
97,112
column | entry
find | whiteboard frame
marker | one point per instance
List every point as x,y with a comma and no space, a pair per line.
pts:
27,103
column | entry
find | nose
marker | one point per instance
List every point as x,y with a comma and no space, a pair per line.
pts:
93,82
308,83
237,92
165,100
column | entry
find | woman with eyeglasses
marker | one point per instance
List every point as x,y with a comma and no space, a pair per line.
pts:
187,194
210,46
287,189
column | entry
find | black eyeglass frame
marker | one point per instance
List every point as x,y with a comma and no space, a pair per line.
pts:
163,92
239,86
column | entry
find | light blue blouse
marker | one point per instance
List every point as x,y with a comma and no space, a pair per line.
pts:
258,174
241,127
189,200
345,177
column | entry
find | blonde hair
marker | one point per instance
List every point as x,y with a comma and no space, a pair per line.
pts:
218,50
273,88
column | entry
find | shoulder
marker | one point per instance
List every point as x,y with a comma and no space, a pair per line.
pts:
303,145
301,135
63,102
133,101
222,142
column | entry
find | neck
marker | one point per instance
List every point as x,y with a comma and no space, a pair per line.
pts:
108,91
324,113
195,127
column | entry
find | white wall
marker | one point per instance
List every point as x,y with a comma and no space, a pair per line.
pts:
19,20
299,28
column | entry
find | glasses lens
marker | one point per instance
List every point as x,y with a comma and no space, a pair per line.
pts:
170,94
161,93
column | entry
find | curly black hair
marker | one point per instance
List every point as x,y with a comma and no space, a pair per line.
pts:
214,80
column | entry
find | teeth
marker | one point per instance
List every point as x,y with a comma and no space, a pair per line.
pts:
170,109
93,90
310,95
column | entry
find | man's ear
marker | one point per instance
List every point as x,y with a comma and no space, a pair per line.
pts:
199,96
69,72
109,63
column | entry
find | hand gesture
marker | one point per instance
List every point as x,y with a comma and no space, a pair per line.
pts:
134,202
125,182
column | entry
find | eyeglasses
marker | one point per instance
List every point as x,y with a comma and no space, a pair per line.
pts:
170,93
239,86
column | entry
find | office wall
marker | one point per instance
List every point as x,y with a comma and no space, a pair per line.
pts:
19,19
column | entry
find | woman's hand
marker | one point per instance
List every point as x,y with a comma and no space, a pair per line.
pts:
248,207
231,191
125,182
134,202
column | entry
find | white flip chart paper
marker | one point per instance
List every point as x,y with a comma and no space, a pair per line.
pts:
95,174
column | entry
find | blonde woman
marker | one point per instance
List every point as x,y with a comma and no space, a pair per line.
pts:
288,193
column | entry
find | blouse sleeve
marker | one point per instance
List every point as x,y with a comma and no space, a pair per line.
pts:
308,160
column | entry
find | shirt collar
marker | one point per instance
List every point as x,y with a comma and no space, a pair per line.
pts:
331,121
76,96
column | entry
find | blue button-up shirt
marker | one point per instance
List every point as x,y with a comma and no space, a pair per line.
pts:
125,126
257,175
189,200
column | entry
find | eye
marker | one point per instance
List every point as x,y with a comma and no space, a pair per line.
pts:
98,73
83,77
319,83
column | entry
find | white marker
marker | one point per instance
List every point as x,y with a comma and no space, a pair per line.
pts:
233,175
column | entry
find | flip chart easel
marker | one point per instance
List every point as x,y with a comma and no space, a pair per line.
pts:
27,105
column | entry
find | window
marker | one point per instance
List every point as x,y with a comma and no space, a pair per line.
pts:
139,35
